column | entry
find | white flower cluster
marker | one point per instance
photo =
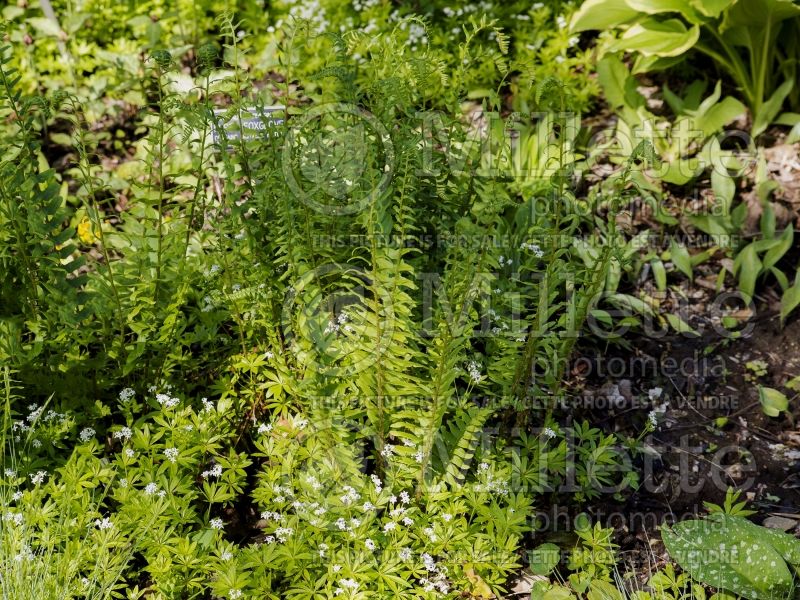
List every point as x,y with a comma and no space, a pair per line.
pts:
341,319
531,247
350,496
151,489
349,584
490,484
167,401
417,35
474,371
311,11
103,524
171,454
126,395
361,5
86,434
25,554
14,518
123,434
215,471
437,576
467,9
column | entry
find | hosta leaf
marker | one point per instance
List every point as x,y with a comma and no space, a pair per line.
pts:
711,8
602,14
652,7
731,554
758,13
658,38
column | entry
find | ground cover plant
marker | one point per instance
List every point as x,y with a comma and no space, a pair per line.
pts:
296,298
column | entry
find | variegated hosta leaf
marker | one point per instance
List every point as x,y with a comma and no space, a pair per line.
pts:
733,554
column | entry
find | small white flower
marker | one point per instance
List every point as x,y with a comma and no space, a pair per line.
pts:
104,524
404,497
86,434
350,496
235,594
129,453
548,433
216,523
387,451
474,371
264,428
123,434
10,473
171,454
39,477
369,544
483,466
406,554
126,395
16,496
150,489
390,526
447,517
167,401
214,471
123,483
654,393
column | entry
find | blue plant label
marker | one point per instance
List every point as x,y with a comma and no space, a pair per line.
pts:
249,123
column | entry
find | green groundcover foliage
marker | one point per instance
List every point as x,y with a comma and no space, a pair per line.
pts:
289,291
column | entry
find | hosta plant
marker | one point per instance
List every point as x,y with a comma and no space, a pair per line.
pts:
731,553
753,41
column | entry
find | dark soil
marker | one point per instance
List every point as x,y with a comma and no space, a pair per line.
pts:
712,433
